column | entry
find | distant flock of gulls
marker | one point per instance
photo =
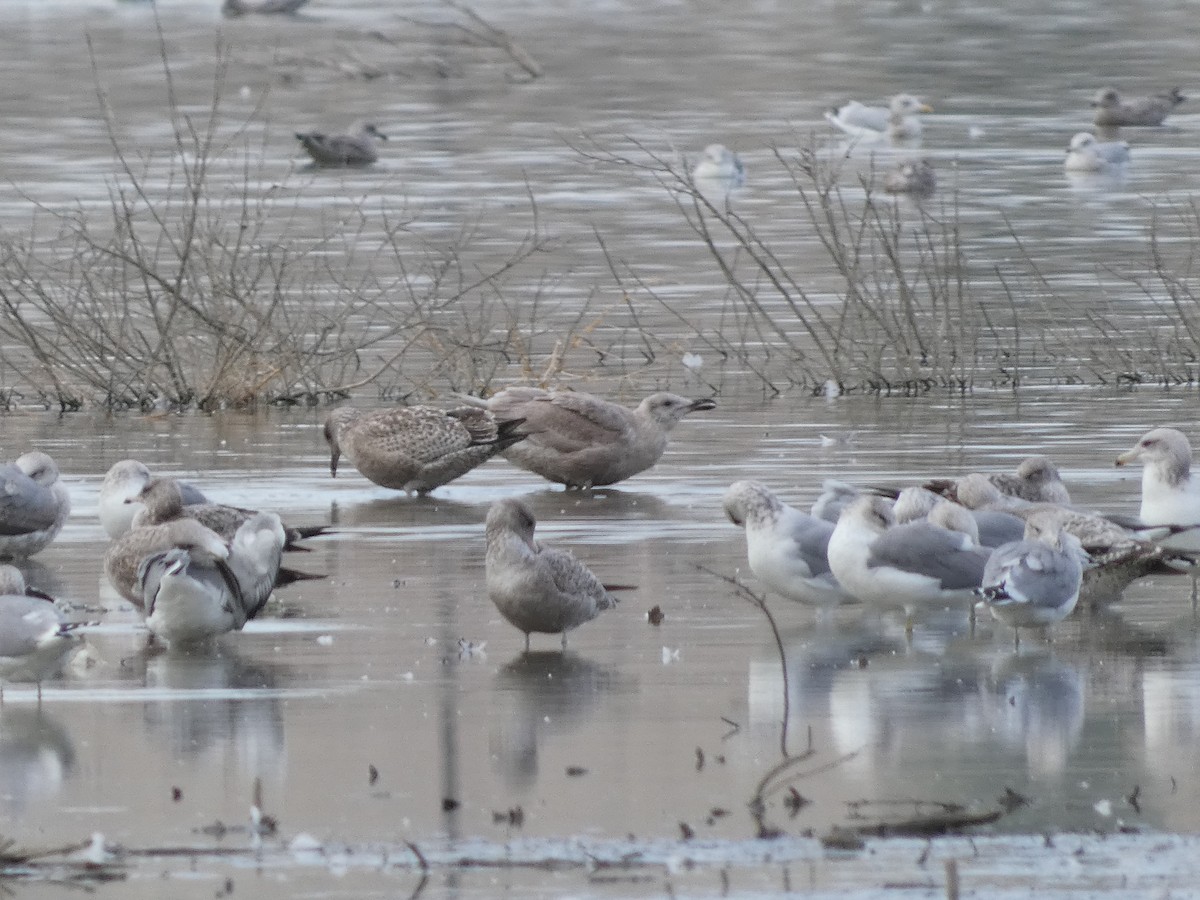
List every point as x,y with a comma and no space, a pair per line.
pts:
197,570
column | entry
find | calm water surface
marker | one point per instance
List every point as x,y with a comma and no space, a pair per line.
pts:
636,729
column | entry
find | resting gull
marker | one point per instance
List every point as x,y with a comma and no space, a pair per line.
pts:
583,441
34,504
1170,495
918,566
535,587
897,121
417,448
1086,154
34,636
719,163
1036,480
342,150
990,527
1112,111
785,547
911,177
1034,581
235,8
119,502
125,554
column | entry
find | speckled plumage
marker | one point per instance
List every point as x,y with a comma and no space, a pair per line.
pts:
342,150
582,440
537,588
34,504
126,553
119,503
1112,111
1035,480
417,448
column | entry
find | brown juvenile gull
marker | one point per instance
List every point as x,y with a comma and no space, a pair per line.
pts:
34,636
584,441
535,587
417,448
914,176
126,553
235,8
1112,111
34,504
1036,480
342,150
119,503
897,121
162,499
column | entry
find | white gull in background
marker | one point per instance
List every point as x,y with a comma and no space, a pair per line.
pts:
898,120
1035,581
34,504
1087,154
719,163
785,547
918,566
535,587
581,440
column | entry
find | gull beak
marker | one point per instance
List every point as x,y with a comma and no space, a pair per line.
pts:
703,404
925,108
1127,457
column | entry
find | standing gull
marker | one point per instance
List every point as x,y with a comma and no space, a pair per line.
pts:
342,150
1034,581
583,441
897,121
34,636
119,502
1112,111
1170,495
417,448
786,548
1086,154
537,588
916,566
34,504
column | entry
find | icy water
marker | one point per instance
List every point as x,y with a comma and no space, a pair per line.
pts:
389,703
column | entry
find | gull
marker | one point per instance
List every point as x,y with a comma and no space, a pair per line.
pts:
835,496
119,503
342,150
256,540
581,440
125,554
719,163
535,587
1034,581
417,448
1086,154
34,636
988,528
162,499
34,504
235,8
1170,495
920,565
911,177
1112,111
785,547
1036,480
897,121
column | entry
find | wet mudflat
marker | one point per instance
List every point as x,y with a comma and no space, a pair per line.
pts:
390,704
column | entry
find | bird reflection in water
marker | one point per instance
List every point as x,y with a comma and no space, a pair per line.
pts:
543,693
1040,710
36,755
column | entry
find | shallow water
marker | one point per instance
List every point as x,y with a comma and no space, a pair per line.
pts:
637,728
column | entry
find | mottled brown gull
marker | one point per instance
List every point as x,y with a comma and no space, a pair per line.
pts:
1112,111
898,120
535,587
119,502
582,440
126,553
914,176
417,448
34,636
34,504
786,548
1035,480
342,150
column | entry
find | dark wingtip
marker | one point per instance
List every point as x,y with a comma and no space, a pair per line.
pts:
288,576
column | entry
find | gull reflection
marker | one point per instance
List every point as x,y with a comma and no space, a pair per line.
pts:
1040,710
542,693
36,754
212,703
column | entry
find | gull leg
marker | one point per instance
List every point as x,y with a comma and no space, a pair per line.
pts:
1016,639
527,642
564,640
